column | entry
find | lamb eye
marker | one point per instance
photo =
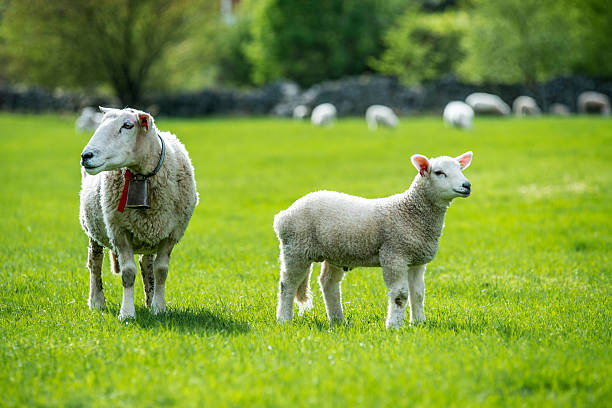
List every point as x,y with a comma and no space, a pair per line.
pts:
127,125
439,173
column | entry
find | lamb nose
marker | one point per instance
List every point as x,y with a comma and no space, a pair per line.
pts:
467,185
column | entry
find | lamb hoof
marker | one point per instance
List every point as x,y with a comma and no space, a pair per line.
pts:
283,320
394,325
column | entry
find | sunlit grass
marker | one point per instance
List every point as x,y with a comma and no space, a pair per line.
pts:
518,298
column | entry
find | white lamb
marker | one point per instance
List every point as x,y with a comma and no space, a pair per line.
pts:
126,153
399,233
458,114
525,106
323,114
380,115
487,103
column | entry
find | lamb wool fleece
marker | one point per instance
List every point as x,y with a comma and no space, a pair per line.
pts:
400,233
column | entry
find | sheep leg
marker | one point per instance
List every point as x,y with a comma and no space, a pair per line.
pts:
160,270
330,281
95,256
396,280
148,279
416,283
292,274
127,266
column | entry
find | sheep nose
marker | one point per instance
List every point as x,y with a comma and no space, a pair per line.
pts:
85,156
467,185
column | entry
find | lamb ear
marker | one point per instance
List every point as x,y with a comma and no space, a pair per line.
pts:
421,163
144,120
465,159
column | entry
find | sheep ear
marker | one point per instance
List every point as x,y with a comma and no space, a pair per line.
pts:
144,121
421,163
105,110
465,159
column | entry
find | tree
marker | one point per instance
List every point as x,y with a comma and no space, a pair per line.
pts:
422,47
518,41
594,31
311,41
90,42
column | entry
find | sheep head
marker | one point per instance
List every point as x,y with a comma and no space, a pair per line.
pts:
118,141
443,175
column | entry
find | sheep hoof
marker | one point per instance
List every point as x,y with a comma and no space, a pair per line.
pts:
97,304
158,309
128,313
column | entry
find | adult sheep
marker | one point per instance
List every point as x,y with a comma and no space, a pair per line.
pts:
487,103
525,106
400,233
458,114
323,114
380,115
594,102
128,161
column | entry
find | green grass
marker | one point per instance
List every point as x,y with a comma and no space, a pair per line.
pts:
518,298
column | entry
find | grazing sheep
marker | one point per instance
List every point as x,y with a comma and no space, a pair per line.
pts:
126,152
458,114
559,109
525,106
399,233
324,114
487,103
88,120
300,112
380,115
589,102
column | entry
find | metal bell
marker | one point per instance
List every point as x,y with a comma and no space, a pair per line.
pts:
138,194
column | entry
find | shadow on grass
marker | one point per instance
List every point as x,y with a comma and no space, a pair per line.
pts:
199,322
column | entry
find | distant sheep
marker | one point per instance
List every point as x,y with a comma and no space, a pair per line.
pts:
88,120
324,114
487,103
300,112
589,102
126,155
559,109
380,115
458,114
525,106
399,233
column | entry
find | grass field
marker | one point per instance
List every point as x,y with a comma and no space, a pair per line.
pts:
518,299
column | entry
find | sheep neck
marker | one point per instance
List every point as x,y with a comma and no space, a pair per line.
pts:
150,152
422,211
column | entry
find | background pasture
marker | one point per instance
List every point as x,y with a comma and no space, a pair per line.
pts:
518,299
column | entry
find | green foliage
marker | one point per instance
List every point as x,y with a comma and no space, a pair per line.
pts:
312,41
519,41
518,298
594,31
87,43
422,47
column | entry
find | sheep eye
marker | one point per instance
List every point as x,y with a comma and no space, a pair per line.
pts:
439,173
127,125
